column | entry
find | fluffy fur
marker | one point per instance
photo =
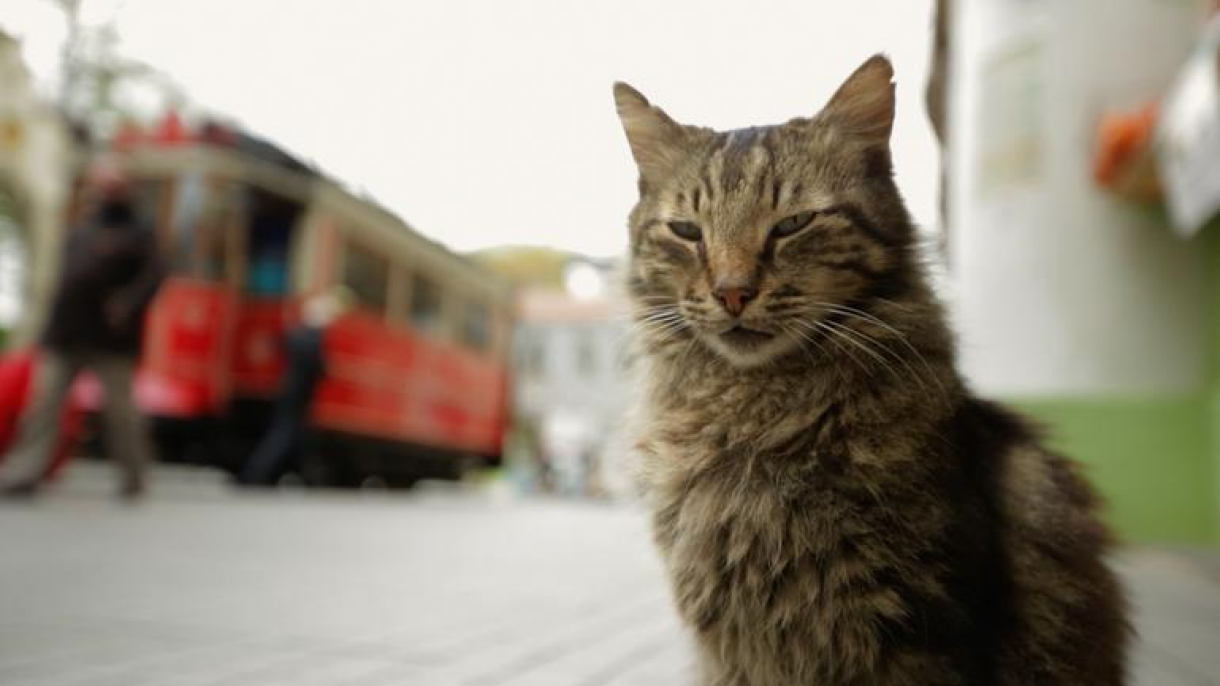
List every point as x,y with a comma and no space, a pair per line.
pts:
832,504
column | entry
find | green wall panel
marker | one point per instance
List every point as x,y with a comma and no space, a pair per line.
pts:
1152,459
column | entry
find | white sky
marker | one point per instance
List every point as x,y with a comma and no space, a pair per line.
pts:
487,122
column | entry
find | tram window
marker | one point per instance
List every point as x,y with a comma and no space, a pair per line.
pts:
220,222
425,304
187,222
203,219
367,274
272,219
475,326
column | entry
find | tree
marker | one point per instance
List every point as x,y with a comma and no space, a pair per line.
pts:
97,80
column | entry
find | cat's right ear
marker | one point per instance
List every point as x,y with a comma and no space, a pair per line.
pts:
864,104
656,140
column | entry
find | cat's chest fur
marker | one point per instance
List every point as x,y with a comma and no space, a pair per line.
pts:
770,554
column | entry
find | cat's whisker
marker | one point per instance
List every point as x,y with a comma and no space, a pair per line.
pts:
831,337
902,338
869,338
670,326
634,311
656,314
658,326
639,314
802,339
873,345
862,337
845,334
660,316
647,312
902,307
664,327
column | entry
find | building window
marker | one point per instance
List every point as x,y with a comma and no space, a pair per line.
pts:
586,352
533,352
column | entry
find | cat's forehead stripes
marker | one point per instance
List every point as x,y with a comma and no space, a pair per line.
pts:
742,159
742,169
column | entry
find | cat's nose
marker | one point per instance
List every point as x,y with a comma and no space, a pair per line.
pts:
734,296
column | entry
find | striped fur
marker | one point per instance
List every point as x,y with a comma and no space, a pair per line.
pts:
832,504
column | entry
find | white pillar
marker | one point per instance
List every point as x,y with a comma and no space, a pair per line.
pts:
1061,289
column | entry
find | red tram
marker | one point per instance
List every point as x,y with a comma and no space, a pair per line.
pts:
416,383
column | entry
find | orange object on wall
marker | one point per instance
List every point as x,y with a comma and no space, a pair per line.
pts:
1121,138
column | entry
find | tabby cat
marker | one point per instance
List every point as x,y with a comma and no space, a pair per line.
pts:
833,505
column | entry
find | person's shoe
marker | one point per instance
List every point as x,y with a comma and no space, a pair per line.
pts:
22,490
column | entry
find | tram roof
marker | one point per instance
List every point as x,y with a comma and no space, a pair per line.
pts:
293,180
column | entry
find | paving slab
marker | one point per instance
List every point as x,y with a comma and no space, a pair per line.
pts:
202,585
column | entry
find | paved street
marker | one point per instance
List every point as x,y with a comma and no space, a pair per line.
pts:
202,585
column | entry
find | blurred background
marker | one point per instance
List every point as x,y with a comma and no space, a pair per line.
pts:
448,184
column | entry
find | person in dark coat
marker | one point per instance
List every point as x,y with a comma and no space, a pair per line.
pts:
110,273
305,348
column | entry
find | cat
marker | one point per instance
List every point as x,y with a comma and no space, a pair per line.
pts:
832,504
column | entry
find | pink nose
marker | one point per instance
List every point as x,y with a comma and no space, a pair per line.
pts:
734,298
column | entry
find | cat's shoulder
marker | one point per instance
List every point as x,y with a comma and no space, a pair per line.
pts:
1038,490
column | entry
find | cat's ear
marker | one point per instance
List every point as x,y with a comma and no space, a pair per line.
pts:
656,140
864,105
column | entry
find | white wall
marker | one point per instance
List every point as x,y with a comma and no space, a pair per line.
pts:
12,273
35,164
1059,288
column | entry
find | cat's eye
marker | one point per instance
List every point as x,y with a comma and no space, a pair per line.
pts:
792,225
687,231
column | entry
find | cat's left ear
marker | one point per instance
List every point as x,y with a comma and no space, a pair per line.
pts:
864,105
656,140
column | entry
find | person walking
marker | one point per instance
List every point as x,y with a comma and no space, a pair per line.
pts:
288,432
111,271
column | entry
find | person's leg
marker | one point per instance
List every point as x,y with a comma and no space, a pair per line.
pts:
126,434
39,428
283,439
274,452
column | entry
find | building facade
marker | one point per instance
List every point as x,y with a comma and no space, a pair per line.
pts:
569,391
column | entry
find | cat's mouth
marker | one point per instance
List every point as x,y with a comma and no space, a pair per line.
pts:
741,337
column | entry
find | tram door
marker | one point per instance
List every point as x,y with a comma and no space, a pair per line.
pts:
273,220
267,307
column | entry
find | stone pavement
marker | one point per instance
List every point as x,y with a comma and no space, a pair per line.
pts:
441,586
